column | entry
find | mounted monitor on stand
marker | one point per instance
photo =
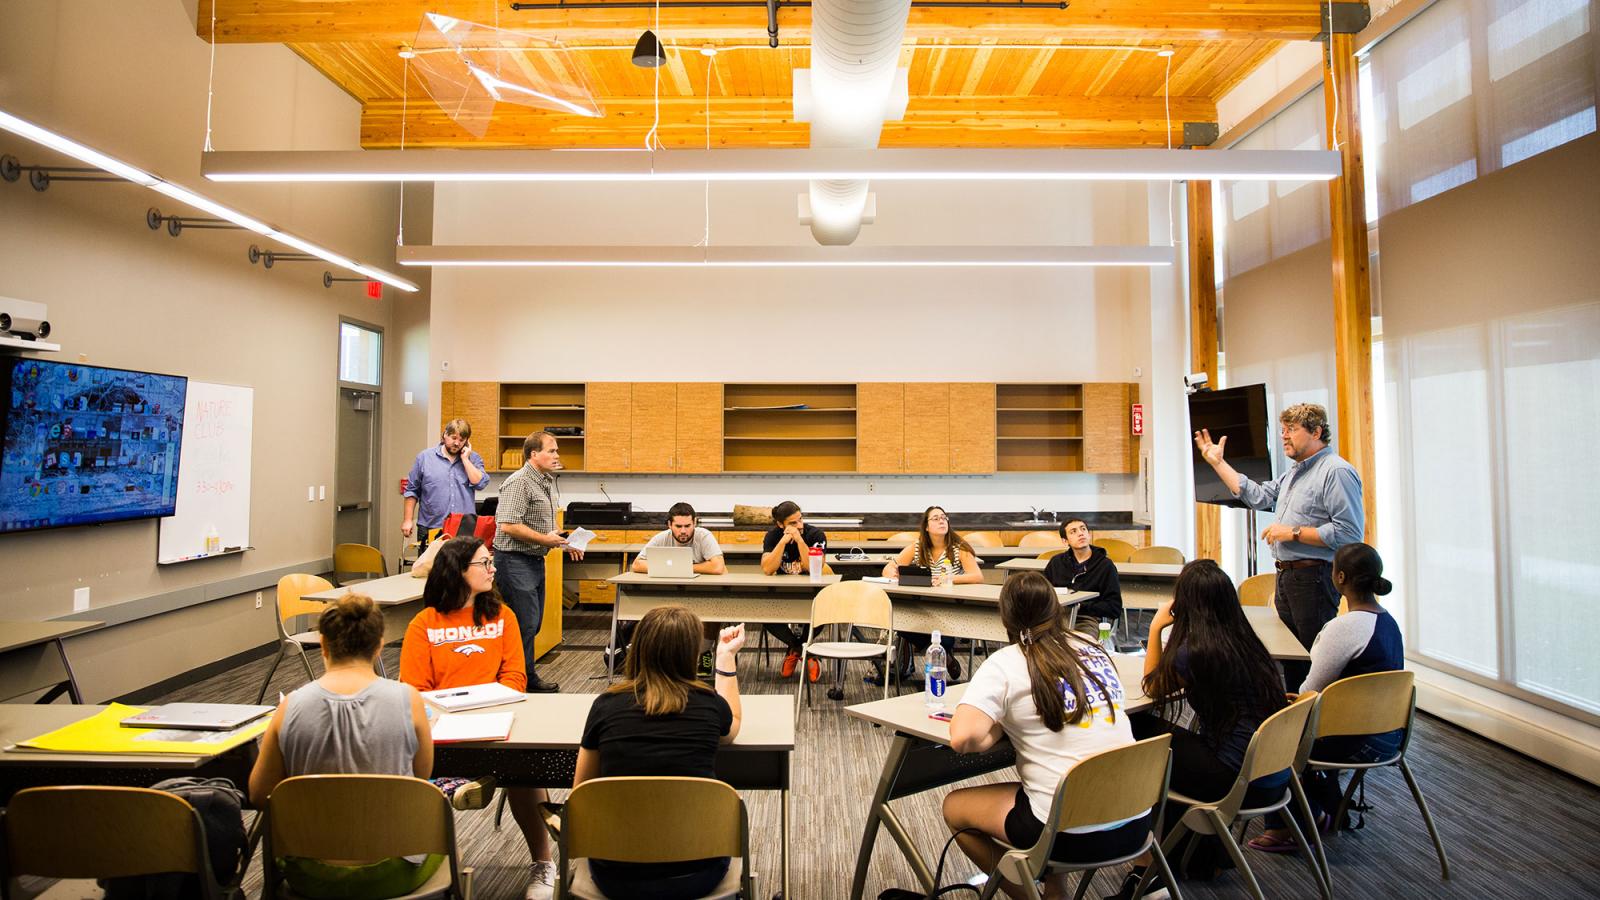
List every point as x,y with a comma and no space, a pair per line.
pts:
1240,415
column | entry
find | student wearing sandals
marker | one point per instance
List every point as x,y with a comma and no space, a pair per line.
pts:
661,720
467,636
1364,640
349,721
1211,685
1055,695
944,551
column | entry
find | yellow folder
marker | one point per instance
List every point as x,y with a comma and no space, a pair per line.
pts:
103,733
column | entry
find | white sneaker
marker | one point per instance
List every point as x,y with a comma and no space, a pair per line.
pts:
541,881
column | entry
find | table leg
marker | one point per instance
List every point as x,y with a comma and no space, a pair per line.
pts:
72,680
783,827
611,645
876,813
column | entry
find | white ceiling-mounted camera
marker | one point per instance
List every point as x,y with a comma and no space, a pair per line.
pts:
23,319
1195,382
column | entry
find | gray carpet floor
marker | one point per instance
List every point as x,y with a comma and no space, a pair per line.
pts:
1512,827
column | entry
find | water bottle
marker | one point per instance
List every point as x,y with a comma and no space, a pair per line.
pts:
1107,642
934,674
816,563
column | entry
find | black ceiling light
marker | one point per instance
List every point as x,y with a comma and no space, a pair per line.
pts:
648,53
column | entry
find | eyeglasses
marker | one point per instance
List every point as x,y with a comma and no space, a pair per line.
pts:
486,564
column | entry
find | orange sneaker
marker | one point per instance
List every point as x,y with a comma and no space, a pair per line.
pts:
813,671
790,662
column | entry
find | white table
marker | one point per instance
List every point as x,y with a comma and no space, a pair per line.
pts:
398,596
920,759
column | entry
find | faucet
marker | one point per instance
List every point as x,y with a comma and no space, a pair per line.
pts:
1040,512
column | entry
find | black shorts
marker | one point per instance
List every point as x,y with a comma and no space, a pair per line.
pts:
1023,829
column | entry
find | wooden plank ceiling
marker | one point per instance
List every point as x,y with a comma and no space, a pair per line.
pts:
970,84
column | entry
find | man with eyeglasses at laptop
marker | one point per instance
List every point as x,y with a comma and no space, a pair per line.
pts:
1085,567
683,532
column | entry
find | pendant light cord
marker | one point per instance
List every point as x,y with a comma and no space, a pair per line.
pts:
405,92
1172,202
651,141
705,239
211,76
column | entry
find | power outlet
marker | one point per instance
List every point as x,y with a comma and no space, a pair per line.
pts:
602,487
258,599
872,487
80,599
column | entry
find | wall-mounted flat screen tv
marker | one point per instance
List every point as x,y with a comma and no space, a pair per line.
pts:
1240,415
86,444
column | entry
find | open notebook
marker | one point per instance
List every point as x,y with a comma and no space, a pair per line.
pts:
473,696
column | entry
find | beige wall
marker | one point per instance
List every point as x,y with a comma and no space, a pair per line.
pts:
130,79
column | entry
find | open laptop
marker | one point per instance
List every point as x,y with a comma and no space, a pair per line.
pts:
197,716
671,562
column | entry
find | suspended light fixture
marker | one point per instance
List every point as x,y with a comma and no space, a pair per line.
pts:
648,53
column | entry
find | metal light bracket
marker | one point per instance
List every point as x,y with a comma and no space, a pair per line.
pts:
176,224
1344,18
328,280
1200,134
268,257
40,177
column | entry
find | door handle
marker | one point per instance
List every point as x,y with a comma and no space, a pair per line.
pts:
345,507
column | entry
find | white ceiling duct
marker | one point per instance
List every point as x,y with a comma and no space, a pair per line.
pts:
853,86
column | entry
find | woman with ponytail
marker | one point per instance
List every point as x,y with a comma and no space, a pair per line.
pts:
1056,696
1364,640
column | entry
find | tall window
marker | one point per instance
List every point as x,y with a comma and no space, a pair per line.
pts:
360,354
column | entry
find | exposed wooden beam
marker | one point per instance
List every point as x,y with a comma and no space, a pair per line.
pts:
1203,340
1352,291
1138,21
769,122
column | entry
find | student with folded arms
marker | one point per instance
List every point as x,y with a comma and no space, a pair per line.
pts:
785,551
943,550
1364,640
1056,696
661,720
467,636
348,722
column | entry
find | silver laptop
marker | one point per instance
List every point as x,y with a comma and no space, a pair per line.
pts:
671,562
197,716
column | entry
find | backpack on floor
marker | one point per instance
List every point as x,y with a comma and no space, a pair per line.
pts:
220,805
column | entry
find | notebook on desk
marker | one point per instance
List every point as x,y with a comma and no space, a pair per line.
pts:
197,716
473,696
671,562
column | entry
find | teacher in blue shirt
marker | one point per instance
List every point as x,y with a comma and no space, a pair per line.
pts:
443,480
1318,506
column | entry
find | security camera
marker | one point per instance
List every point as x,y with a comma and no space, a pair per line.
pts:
1195,381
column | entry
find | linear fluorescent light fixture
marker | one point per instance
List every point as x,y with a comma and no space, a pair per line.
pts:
782,257
83,153
772,165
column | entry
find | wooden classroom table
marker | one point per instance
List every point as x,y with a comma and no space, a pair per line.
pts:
32,656
920,759
20,768
543,750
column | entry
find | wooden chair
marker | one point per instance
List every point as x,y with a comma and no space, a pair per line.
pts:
1277,745
104,832
1041,539
984,539
903,537
1258,590
1164,555
847,603
1374,704
1107,787
290,589
362,817
649,820
1118,550
1049,554
357,562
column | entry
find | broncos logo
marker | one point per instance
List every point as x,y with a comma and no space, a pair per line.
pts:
469,649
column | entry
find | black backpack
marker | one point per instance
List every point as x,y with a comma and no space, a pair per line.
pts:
220,806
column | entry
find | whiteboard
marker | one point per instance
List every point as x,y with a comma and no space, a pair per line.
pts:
213,473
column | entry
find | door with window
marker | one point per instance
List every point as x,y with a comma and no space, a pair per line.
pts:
355,487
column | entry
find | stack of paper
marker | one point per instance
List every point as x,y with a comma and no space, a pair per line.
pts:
455,727
473,696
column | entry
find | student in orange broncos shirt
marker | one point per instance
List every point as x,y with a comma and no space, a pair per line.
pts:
465,636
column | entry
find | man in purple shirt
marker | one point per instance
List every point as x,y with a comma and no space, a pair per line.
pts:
442,481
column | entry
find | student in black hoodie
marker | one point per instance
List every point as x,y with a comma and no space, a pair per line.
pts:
1085,567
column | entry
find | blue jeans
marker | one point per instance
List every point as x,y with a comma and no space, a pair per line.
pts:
520,578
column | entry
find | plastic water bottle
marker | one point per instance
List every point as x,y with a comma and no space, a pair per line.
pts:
934,674
1107,642
816,563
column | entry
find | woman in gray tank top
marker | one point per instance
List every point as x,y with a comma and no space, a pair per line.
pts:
349,721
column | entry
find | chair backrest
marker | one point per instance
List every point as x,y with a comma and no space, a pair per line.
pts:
1167,555
1041,539
1050,554
359,560
653,820
1258,590
1114,785
984,539
903,537
1118,550
337,817
1375,703
1276,743
291,588
104,832
852,602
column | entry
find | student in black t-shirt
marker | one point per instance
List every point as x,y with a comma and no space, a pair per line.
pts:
1085,567
784,551
662,720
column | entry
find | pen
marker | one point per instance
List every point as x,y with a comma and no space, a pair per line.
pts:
456,694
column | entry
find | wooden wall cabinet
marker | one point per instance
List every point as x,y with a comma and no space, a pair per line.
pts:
608,431
972,428
699,427
881,427
479,403
1108,442
653,427
927,426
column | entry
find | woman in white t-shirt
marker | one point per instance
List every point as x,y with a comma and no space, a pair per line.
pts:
1056,696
